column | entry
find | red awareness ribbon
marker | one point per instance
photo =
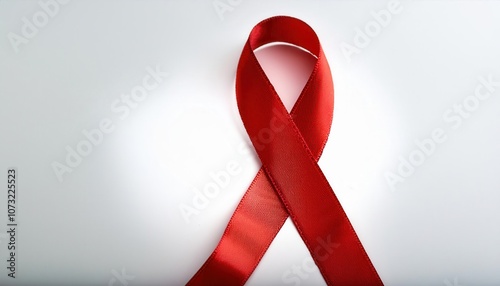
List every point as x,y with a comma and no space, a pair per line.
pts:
290,182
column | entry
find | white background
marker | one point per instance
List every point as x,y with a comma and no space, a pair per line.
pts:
119,209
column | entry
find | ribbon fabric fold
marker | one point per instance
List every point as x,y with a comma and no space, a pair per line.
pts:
290,182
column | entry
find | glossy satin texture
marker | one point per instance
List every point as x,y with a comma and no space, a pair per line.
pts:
290,182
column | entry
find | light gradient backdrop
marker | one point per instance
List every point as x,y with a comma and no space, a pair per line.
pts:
116,218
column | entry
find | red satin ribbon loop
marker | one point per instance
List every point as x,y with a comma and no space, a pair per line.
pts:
290,182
